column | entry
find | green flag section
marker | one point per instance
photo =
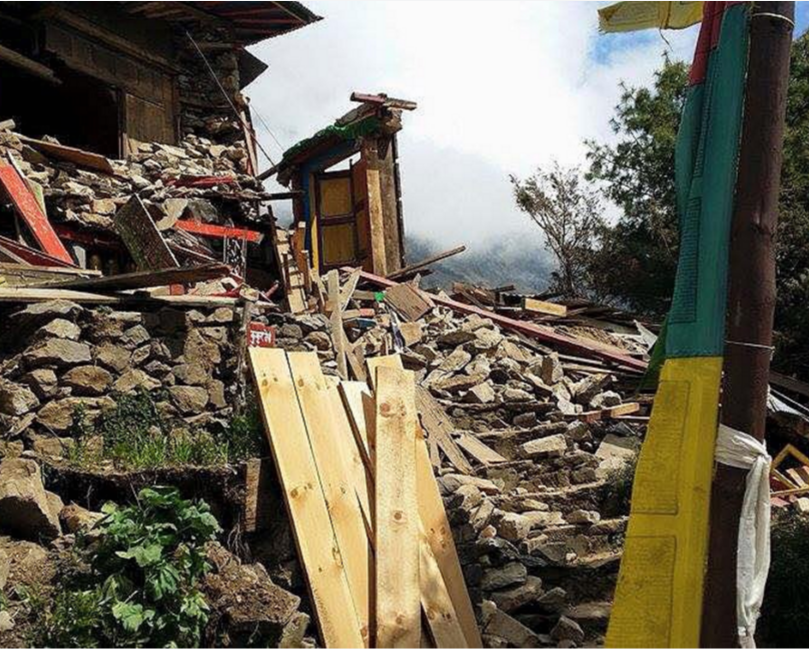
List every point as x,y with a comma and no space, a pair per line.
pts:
658,600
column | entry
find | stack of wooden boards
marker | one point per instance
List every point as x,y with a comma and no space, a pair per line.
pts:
368,519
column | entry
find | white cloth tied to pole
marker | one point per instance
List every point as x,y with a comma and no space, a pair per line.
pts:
737,449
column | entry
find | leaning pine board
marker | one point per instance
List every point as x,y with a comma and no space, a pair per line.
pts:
317,547
439,535
334,465
398,594
436,601
355,396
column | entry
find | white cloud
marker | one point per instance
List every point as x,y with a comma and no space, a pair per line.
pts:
501,86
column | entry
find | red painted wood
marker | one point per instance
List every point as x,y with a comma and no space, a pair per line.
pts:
26,205
219,231
543,334
31,256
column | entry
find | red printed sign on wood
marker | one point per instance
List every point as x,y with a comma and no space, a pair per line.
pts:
260,335
26,205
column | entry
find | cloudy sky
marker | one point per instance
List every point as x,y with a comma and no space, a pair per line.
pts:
502,87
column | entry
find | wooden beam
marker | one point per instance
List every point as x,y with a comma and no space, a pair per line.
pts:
543,334
218,231
140,235
143,279
414,268
376,222
398,591
78,157
25,295
309,514
29,65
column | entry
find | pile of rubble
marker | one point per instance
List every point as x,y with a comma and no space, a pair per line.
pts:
539,521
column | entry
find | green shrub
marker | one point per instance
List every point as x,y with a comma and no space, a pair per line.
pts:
785,614
136,435
141,588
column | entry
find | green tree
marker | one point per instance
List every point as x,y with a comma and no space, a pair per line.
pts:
569,213
637,259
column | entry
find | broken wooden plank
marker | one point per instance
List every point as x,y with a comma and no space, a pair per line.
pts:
140,235
78,157
543,334
355,396
478,450
21,274
28,209
439,536
412,269
338,336
608,413
23,295
436,601
334,468
409,302
788,383
398,593
145,278
309,515
439,427
347,290
543,307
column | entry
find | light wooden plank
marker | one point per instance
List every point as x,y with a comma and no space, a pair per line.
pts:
393,360
323,415
439,535
376,221
354,394
338,336
436,602
317,546
398,598
543,307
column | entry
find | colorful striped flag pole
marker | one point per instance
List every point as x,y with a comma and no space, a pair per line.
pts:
658,601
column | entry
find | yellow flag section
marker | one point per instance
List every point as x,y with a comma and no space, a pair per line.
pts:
658,601
634,16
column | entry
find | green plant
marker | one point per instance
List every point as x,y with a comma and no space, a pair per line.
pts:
141,588
785,616
245,435
135,435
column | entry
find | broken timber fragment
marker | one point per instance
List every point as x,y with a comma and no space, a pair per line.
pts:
144,279
78,157
407,271
29,210
409,302
398,591
142,238
545,308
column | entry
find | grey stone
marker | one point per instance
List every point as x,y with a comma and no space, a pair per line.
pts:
455,362
191,374
516,395
518,596
113,357
88,380
482,393
583,517
75,518
486,339
42,381
216,394
189,399
319,340
59,328
513,527
513,632
135,336
16,400
508,575
544,447
5,568
25,509
133,380
59,353
567,629
551,371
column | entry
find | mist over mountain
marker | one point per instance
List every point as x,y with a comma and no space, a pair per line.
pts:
510,259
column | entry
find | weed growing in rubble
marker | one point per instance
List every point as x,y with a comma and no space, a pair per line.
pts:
141,588
136,435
